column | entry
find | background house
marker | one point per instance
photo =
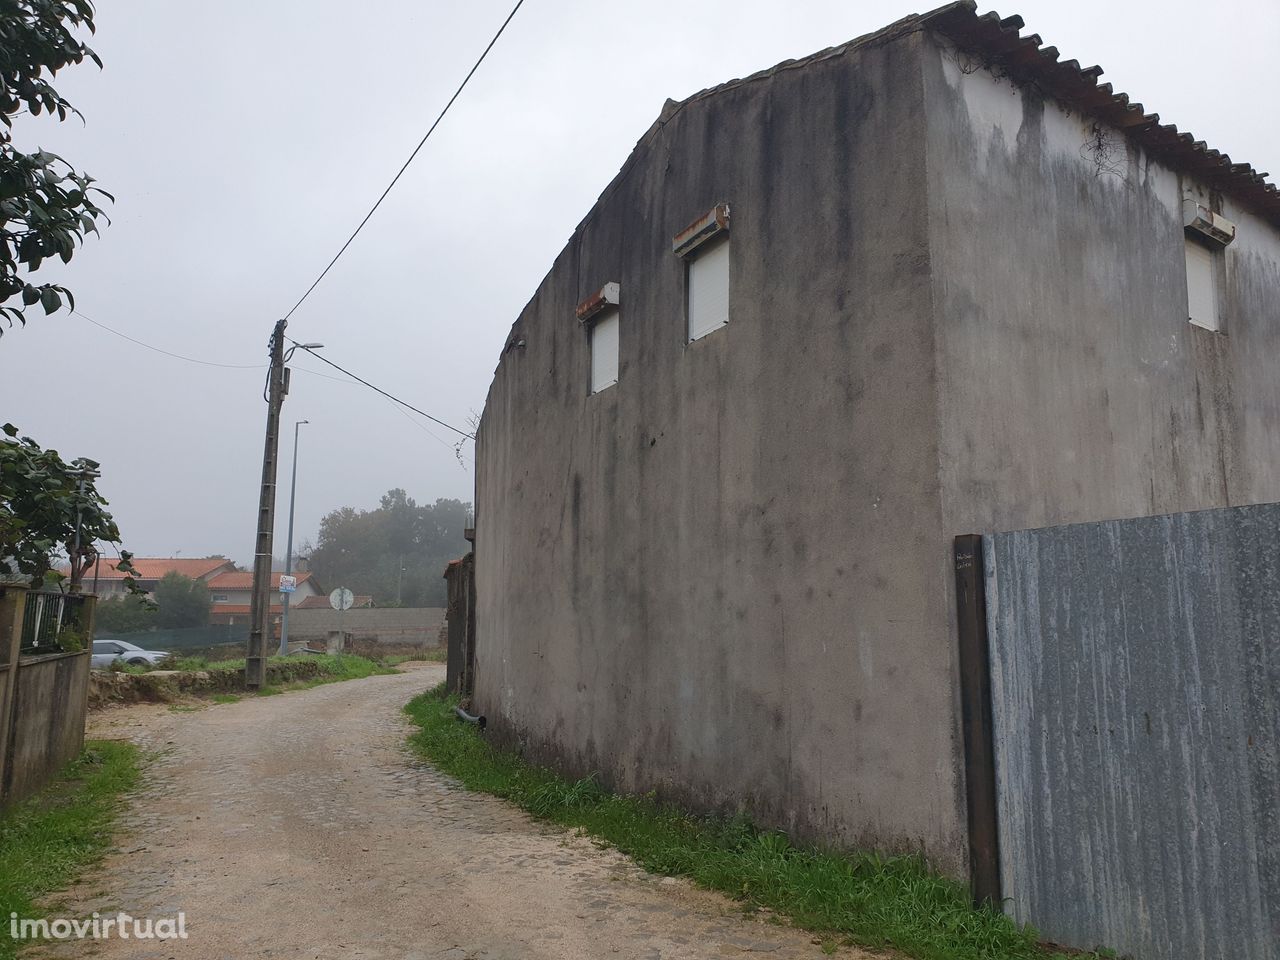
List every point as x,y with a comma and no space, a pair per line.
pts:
231,593
108,582
826,319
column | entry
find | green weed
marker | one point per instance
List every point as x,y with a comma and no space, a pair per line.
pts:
861,898
49,840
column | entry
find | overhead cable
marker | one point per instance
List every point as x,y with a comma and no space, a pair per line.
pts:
405,166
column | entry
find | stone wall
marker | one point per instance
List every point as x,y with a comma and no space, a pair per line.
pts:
417,625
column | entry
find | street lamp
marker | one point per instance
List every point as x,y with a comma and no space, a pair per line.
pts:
288,557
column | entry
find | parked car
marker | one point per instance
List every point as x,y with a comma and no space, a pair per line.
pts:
106,652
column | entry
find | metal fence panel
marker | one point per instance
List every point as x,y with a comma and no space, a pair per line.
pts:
53,622
176,640
1135,670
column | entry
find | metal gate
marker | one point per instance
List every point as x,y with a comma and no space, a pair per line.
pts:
1133,716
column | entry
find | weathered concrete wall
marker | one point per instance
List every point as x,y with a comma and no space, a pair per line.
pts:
725,577
421,625
50,702
728,576
1136,699
1071,385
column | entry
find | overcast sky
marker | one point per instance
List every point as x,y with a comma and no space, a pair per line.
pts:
245,139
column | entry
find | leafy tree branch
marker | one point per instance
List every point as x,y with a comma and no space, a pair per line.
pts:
49,506
46,206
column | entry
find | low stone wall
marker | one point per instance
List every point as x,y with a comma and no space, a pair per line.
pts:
415,625
161,686
48,721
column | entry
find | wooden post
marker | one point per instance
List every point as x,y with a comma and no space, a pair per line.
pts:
469,585
975,706
13,603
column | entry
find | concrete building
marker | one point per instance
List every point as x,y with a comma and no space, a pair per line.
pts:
826,318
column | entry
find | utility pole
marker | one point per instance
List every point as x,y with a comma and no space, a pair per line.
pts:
288,555
255,667
77,564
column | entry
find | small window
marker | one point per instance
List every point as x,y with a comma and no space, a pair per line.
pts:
604,351
708,283
219,598
100,647
1202,287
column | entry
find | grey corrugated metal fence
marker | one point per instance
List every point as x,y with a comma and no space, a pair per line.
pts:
1135,670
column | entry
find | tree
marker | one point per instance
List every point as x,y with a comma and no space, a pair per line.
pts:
130,614
397,552
46,207
47,505
182,602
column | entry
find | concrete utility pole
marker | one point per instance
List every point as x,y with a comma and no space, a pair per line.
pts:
255,667
77,571
288,555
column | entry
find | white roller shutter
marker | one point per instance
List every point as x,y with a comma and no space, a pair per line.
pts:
604,351
709,290
1202,298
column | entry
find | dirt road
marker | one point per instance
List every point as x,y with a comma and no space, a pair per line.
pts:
299,826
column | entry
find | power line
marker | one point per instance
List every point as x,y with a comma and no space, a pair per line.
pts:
394,179
351,378
167,353
327,376
389,396
421,426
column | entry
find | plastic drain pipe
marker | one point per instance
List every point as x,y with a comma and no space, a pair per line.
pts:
463,715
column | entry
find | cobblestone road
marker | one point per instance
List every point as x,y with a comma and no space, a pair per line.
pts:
298,826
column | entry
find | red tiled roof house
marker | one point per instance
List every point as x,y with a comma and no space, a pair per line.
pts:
231,592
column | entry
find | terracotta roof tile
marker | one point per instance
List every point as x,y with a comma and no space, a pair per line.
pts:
997,41
1026,61
243,580
153,568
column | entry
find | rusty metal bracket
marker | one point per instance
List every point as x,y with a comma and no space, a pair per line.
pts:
714,222
610,295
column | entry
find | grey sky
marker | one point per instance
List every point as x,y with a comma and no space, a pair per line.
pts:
244,141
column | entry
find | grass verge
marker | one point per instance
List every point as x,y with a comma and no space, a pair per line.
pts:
47,841
859,899
430,655
327,667
223,680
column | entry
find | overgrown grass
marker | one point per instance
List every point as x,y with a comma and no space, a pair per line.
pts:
861,899
119,666
428,654
49,840
336,667
332,667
